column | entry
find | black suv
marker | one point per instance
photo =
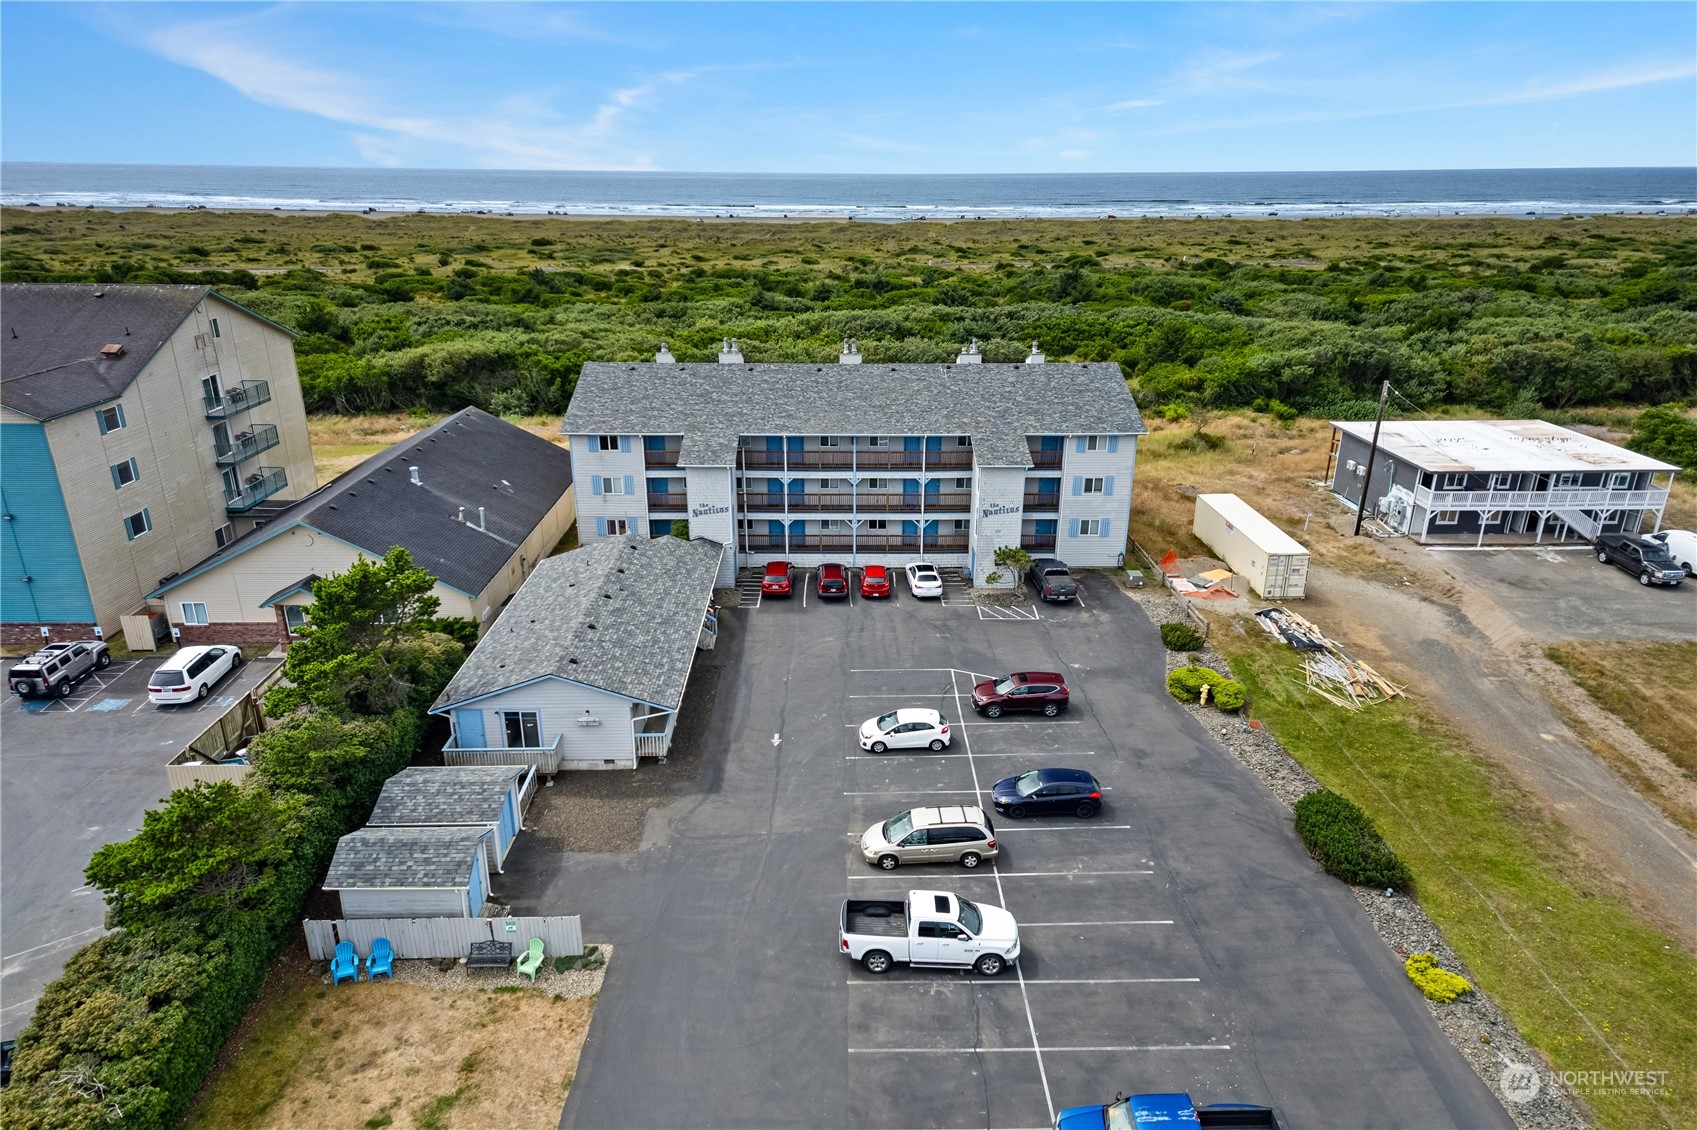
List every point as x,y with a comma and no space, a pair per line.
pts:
56,668
1051,580
1645,558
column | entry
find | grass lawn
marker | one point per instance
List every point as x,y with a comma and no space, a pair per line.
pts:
1647,685
1578,974
396,1054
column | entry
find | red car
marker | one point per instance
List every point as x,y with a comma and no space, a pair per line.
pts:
776,582
875,581
833,580
1043,691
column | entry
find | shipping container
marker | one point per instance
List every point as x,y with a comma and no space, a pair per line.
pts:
1275,563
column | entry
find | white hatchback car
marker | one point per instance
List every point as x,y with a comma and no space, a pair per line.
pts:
912,728
923,580
190,674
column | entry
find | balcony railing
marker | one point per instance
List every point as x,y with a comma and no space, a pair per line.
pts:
260,485
245,445
845,458
1037,541
655,458
772,502
862,543
237,398
1564,498
1045,458
1042,500
667,501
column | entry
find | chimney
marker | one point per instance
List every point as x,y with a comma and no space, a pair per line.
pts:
970,355
729,354
111,352
664,357
851,352
1036,357
412,473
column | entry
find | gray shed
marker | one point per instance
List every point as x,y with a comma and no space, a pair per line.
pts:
473,796
411,872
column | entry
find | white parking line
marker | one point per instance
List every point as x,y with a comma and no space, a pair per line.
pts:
1081,826
1127,922
57,941
921,792
1046,1048
1045,722
989,983
979,874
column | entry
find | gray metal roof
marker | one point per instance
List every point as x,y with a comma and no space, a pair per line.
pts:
423,858
469,460
623,615
445,794
1498,445
712,405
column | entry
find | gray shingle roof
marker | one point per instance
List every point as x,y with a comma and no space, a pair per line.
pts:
712,405
450,794
623,614
425,858
471,459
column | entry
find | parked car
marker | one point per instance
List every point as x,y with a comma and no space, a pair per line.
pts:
1047,792
931,928
909,728
1643,557
57,668
1043,691
952,834
777,580
1681,546
923,579
875,581
1171,1112
191,673
832,581
1051,580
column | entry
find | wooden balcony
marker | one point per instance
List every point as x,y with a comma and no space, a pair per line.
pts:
667,500
1043,500
849,458
862,543
1029,542
935,502
1045,458
659,458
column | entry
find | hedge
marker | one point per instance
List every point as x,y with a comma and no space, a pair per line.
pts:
1186,683
1344,841
1179,636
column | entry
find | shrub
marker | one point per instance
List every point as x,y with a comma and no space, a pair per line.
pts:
1186,683
1437,983
1344,841
1180,636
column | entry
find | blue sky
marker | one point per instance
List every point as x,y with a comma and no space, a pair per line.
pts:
820,87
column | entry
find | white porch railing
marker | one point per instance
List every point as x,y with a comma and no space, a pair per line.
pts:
652,745
546,759
1564,499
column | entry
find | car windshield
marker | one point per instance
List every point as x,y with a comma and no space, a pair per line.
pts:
1118,1116
886,721
1029,783
971,917
1006,685
165,679
897,826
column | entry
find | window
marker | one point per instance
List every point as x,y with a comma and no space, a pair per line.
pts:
110,418
125,473
830,484
1093,486
224,535
1567,479
1095,443
607,443
138,524
830,441
617,526
1502,481
963,484
612,484
877,484
963,441
963,525
1090,527
194,612
215,332
878,524
1620,480
211,390
830,525
523,731
1446,517
294,617
1455,482
877,441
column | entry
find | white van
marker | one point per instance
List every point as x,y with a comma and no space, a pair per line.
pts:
1682,547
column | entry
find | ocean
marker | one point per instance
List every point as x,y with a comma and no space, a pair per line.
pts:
877,197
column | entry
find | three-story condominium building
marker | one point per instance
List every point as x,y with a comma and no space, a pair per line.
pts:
859,462
143,428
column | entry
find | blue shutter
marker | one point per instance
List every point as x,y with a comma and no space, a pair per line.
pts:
1081,445
1107,484
100,420
1104,527
116,482
1077,485
121,420
630,484
600,525
1072,527
1113,443
595,484
624,443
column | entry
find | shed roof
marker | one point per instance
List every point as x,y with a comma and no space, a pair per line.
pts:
623,615
1498,445
713,405
445,794
413,858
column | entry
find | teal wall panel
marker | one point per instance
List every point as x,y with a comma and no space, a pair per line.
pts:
36,536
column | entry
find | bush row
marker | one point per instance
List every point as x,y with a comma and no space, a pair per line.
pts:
1187,683
1344,840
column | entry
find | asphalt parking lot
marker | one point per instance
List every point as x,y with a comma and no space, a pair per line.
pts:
1180,941
1565,593
77,773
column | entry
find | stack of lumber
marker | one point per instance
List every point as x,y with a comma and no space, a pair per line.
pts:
1329,671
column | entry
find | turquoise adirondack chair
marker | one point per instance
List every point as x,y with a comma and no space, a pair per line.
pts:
382,960
531,961
345,965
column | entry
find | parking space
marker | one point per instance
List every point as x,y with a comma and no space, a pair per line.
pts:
1565,593
79,772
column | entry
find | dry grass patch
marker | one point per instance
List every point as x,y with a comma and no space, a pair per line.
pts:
340,443
1648,686
396,1054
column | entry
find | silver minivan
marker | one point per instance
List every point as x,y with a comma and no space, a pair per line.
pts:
957,833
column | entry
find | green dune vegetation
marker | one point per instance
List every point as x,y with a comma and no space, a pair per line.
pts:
434,312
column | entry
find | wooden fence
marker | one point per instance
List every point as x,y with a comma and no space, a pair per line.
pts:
233,729
1155,574
562,936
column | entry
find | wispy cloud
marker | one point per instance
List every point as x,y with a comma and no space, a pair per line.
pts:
1135,104
1642,74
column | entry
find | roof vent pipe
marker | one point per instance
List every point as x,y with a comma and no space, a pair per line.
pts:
461,516
480,518
730,353
412,473
664,357
1036,357
970,355
851,352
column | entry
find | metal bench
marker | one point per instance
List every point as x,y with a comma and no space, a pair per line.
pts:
490,955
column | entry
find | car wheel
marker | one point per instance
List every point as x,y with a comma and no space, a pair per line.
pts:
237,661
1086,811
970,860
994,710
1050,709
205,689
1017,812
1603,557
876,961
889,862
65,689
879,747
1643,578
105,660
937,745
990,964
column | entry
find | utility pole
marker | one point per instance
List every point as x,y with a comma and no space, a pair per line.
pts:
1373,451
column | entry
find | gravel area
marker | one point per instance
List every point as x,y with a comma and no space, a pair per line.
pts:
1473,1022
457,978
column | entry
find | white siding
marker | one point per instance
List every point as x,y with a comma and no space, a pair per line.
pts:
534,548
710,488
998,500
589,464
404,904
1115,508
559,704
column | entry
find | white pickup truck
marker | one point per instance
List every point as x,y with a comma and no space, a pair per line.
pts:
932,928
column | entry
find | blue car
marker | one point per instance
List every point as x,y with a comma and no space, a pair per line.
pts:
1047,792
1167,1112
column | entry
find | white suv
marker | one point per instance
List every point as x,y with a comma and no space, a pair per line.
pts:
191,673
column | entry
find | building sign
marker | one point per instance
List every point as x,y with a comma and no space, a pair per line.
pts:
704,511
992,511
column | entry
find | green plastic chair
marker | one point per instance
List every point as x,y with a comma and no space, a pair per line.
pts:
531,960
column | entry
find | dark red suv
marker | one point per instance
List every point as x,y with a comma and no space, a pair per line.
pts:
833,580
776,582
1043,691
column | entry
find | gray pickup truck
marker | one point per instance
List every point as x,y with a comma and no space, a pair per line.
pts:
1051,580
1645,558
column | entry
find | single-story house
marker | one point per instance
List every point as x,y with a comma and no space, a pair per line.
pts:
587,667
468,796
476,501
411,872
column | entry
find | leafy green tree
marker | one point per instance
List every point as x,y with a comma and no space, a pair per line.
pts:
1015,560
1667,433
680,528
